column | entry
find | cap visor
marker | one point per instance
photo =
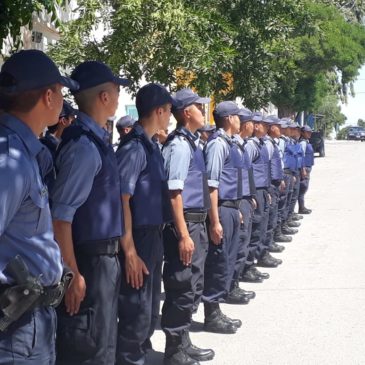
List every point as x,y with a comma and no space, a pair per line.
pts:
122,82
202,101
69,83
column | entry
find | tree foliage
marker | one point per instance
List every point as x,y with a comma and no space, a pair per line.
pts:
294,53
17,13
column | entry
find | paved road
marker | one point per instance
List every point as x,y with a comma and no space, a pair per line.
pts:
312,309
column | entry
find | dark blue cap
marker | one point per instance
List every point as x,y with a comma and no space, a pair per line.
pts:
31,70
285,122
93,73
257,117
186,97
245,115
125,122
226,108
294,125
208,128
67,110
307,128
152,96
272,120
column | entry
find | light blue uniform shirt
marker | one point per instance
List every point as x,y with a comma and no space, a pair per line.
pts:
251,148
216,152
303,144
77,164
177,157
132,160
269,145
25,218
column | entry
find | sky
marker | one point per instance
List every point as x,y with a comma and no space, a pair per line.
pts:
355,108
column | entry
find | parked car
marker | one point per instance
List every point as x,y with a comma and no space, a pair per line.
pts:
356,134
317,141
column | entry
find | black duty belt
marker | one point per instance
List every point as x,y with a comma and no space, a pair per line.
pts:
195,217
235,204
103,247
288,171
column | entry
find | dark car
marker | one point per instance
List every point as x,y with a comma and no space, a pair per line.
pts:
356,134
317,141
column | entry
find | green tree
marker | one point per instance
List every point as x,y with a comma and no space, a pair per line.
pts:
361,123
332,117
342,133
328,55
17,13
220,48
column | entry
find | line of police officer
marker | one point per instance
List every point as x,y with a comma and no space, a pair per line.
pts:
212,211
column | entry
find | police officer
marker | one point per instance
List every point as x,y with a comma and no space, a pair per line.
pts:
250,273
146,209
53,134
124,125
88,221
185,240
281,231
277,181
300,172
262,177
224,165
247,207
204,133
308,161
31,98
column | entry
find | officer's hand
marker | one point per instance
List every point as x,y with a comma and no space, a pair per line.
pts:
282,186
186,250
270,199
294,179
254,203
134,270
241,218
75,294
216,233
304,174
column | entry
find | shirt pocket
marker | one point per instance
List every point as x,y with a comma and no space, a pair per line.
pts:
39,196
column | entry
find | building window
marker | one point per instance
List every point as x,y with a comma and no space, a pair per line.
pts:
131,110
37,37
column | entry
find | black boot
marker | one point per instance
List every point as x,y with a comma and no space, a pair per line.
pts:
250,276
279,237
296,217
266,260
287,230
195,352
236,296
214,322
305,211
263,275
235,322
293,224
175,353
282,238
275,248
246,293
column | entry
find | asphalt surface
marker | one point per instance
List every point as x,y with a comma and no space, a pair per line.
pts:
312,309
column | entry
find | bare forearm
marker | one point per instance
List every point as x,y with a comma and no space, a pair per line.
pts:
127,242
178,213
63,236
213,211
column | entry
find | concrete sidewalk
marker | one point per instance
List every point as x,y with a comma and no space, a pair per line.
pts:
312,309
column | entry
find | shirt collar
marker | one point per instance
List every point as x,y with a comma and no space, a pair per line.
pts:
23,131
238,138
140,131
193,136
90,124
